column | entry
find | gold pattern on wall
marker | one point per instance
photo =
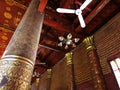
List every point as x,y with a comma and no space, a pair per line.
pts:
4,33
2,45
6,30
19,13
7,15
4,37
6,21
8,8
6,24
16,21
20,5
15,74
13,2
10,2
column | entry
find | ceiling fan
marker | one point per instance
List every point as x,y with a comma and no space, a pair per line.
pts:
77,12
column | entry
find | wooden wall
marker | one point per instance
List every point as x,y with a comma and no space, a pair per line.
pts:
58,81
82,68
107,41
43,82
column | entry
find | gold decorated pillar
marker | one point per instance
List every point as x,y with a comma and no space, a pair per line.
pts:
17,62
70,71
49,77
37,83
96,69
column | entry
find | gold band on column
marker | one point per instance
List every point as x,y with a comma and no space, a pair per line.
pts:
15,73
37,83
16,57
70,71
49,77
49,73
98,77
89,43
69,58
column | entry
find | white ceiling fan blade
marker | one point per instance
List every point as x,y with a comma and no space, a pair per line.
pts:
82,22
84,5
62,10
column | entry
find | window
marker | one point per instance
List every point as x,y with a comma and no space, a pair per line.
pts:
115,64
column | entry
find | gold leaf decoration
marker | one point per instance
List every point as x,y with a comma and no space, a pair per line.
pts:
4,38
7,15
6,24
6,21
19,13
13,2
10,2
8,8
16,21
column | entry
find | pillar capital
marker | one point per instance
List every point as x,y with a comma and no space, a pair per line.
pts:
49,73
37,80
69,58
70,71
49,76
37,83
89,41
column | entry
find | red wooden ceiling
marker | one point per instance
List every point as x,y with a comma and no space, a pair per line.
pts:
55,24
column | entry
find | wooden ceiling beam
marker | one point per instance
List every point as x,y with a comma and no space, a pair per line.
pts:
103,17
67,4
60,27
42,5
93,13
117,2
53,34
28,1
44,59
49,38
49,47
7,27
40,65
55,25
56,16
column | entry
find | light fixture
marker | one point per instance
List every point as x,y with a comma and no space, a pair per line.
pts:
78,12
36,74
66,42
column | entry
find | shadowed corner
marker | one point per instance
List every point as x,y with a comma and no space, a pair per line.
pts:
3,80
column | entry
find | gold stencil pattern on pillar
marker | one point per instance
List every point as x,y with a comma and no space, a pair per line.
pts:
15,74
